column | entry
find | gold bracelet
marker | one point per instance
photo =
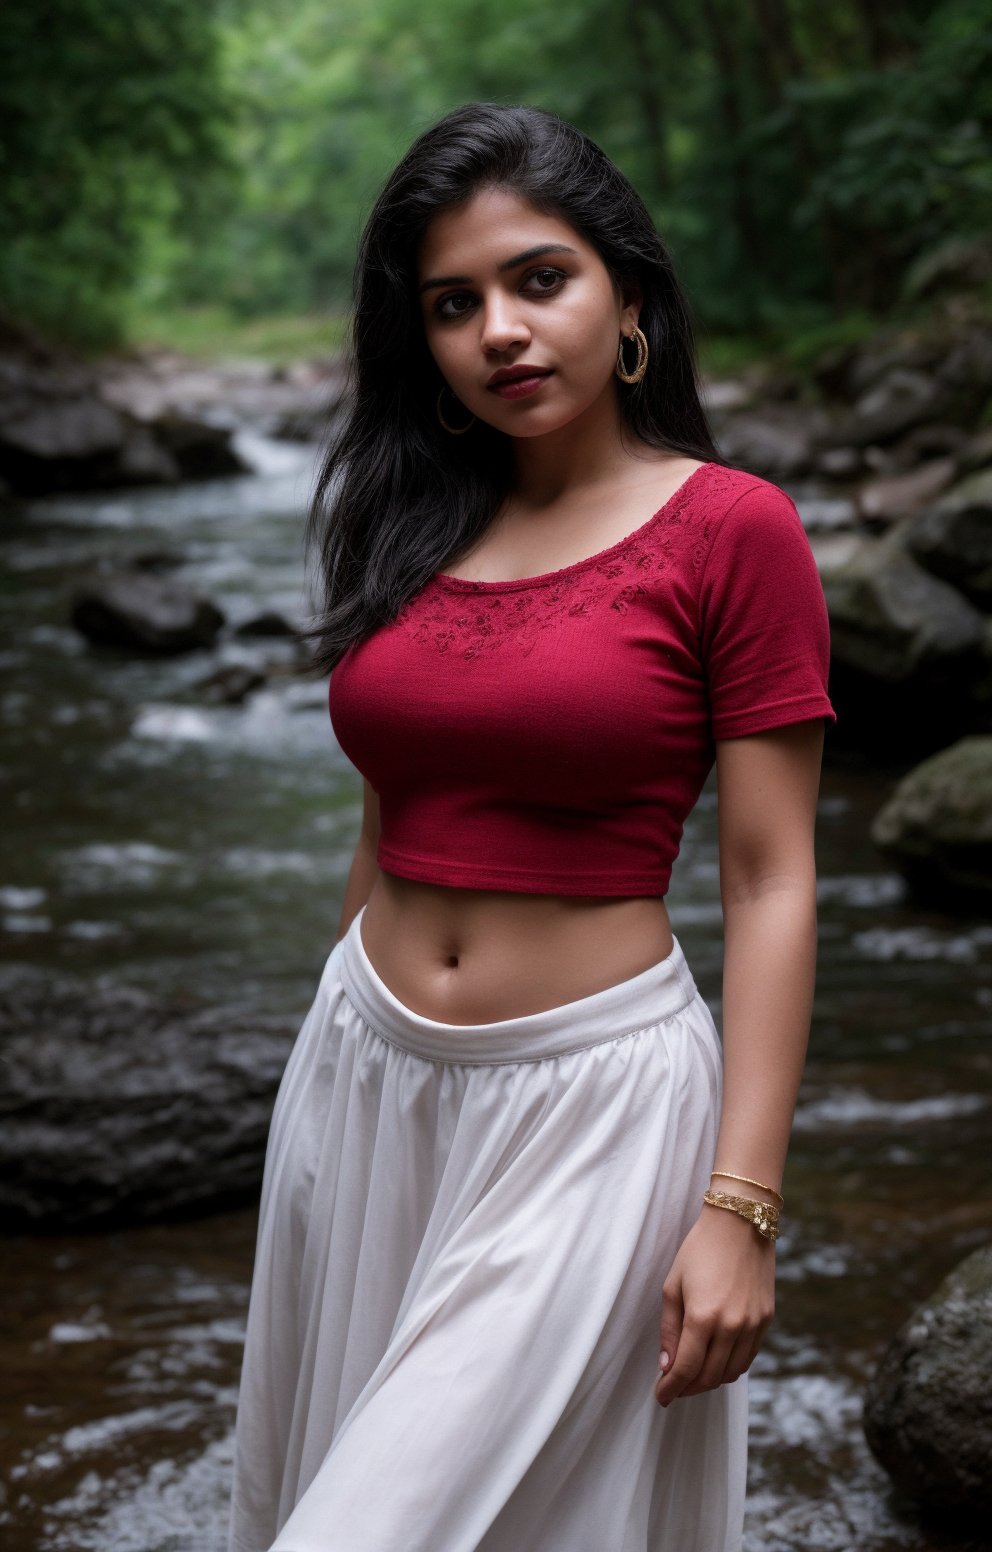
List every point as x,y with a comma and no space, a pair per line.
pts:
726,1175
762,1214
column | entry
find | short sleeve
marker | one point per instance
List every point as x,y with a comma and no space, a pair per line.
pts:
764,629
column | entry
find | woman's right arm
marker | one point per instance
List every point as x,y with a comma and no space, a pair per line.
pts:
364,868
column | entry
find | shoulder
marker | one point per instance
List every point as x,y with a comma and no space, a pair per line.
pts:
749,519
737,499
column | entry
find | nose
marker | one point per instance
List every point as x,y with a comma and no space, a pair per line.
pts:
503,324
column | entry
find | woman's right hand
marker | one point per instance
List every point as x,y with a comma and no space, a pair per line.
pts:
718,1301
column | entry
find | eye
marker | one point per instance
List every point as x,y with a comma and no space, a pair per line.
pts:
453,296
549,278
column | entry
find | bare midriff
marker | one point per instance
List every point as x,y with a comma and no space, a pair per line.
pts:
473,956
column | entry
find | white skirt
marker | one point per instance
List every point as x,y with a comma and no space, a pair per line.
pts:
453,1330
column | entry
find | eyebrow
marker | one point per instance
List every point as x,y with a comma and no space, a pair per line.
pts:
518,259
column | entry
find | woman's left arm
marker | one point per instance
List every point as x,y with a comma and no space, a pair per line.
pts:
719,1295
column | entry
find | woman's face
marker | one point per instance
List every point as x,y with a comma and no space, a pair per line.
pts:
505,286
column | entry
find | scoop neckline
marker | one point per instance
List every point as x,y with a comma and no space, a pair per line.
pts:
471,585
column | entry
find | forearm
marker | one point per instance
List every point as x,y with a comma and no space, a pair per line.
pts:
362,875
769,973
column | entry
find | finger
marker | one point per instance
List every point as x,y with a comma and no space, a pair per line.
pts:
750,1346
672,1316
687,1364
714,1366
743,1355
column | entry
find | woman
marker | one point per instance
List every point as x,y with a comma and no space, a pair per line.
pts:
491,1307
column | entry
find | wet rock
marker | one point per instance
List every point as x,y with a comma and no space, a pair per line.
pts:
928,1408
156,558
721,395
831,369
778,445
932,440
909,652
824,514
133,608
977,451
60,430
960,262
293,402
901,379
268,623
900,400
838,463
116,1109
937,826
885,352
887,499
967,366
232,683
144,461
953,538
198,449
70,427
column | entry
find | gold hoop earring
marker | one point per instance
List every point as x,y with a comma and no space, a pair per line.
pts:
642,358
454,430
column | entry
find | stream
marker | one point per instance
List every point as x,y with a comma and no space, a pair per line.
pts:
160,840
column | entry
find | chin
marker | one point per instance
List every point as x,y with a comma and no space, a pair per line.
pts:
541,421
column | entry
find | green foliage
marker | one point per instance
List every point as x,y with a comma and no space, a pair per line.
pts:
912,160
804,162
211,333
111,125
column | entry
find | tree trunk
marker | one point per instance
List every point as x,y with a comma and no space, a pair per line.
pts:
784,63
652,104
719,24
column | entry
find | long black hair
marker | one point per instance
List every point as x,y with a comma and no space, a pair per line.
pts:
397,497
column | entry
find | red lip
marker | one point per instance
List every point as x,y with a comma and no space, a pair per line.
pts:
511,374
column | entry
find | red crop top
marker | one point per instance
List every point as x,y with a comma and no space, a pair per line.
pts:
551,734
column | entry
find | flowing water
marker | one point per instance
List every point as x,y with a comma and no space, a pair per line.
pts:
165,842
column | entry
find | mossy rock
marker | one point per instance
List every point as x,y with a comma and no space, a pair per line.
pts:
928,1408
937,825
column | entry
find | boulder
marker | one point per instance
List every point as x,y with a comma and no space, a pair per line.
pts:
73,426
892,496
163,388
232,683
61,429
269,623
937,826
953,537
136,609
977,451
901,384
838,463
909,654
934,439
199,449
776,442
895,403
115,1108
886,350
928,1407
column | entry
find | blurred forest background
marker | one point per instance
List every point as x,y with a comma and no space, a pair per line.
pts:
197,171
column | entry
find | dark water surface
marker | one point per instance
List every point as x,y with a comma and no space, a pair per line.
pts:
161,841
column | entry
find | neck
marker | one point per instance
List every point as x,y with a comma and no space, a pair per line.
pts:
589,451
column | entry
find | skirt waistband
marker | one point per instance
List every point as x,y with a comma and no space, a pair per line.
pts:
655,994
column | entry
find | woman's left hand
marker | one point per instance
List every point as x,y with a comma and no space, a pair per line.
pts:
718,1301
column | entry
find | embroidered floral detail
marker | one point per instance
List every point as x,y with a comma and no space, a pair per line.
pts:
454,614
